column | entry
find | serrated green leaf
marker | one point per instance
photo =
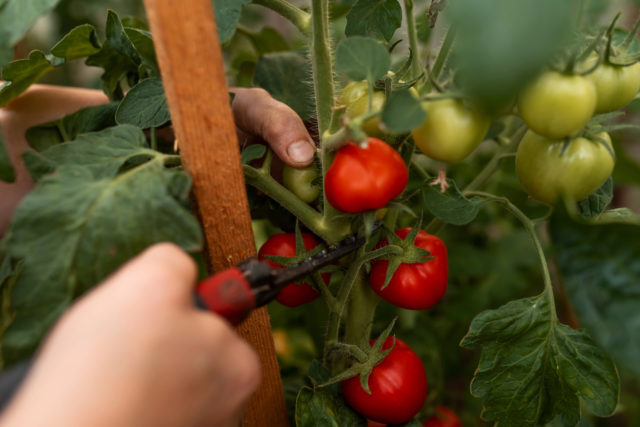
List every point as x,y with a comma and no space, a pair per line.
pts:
118,57
78,43
532,368
21,74
402,112
104,152
600,266
143,43
144,105
451,206
495,55
374,18
16,17
597,201
70,237
323,407
7,173
361,58
227,16
285,76
88,119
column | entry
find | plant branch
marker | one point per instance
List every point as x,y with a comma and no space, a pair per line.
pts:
531,228
296,16
441,59
413,39
307,215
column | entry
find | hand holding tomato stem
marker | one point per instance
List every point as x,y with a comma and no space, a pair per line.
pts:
135,351
257,114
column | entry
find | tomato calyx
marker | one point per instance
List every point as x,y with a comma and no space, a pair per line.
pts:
362,358
411,254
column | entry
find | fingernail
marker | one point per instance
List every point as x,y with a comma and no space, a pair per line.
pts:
301,151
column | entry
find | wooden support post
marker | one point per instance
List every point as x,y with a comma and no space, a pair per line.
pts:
193,76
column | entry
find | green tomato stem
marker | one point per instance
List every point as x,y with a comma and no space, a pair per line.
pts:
331,232
298,17
361,309
531,228
441,59
322,63
153,138
413,38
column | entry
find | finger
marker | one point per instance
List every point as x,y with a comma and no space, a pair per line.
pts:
256,112
161,271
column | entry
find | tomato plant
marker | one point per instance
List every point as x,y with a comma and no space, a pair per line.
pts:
365,177
284,245
451,131
398,386
504,79
550,168
557,105
415,286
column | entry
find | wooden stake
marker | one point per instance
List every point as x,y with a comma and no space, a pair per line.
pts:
190,59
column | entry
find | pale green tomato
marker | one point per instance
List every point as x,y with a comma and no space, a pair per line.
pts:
451,131
546,172
299,181
615,86
557,105
355,97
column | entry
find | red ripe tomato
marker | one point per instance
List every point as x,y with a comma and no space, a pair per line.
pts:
444,417
364,178
398,386
284,244
375,424
414,286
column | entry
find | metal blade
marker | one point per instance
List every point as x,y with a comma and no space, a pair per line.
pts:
326,256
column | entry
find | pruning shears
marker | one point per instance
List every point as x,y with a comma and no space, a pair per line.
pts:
232,293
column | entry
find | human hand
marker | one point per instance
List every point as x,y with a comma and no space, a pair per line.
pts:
135,352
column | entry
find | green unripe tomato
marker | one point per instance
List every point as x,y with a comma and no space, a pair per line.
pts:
615,86
546,172
299,181
557,105
451,131
355,97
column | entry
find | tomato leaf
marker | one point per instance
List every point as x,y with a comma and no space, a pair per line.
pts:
78,43
451,206
362,58
374,18
597,201
16,17
494,55
21,74
144,105
402,112
7,173
253,152
600,266
70,238
88,119
227,16
326,408
143,43
532,368
104,152
285,76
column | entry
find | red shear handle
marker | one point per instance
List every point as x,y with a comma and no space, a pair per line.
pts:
228,294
